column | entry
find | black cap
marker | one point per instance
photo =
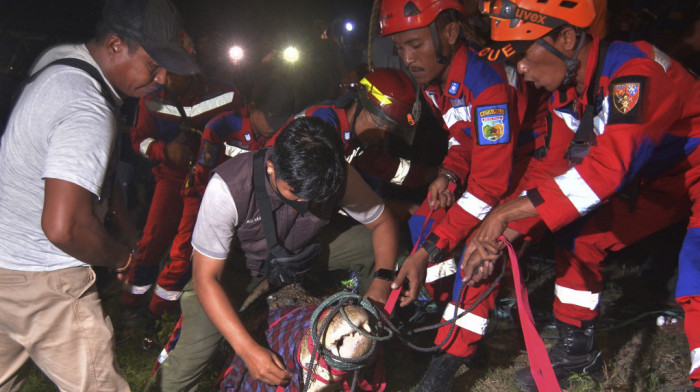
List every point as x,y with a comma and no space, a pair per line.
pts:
156,26
275,99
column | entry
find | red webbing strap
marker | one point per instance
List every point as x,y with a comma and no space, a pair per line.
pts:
540,366
394,296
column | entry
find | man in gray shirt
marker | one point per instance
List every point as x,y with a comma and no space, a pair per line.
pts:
305,179
57,161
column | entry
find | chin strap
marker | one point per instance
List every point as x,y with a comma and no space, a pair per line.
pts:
571,63
436,44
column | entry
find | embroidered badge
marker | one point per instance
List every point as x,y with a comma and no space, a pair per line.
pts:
346,135
625,96
209,155
492,125
248,137
454,87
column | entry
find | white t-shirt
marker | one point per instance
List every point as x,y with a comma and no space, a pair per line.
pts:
61,127
218,218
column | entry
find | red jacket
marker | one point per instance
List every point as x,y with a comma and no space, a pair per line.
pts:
479,109
159,122
648,130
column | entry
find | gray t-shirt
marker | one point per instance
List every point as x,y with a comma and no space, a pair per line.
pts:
218,218
61,127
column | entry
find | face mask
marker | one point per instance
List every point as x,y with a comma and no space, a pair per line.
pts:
299,206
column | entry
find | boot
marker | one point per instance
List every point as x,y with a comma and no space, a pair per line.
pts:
574,352
441,373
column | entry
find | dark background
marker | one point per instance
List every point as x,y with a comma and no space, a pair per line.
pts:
29,26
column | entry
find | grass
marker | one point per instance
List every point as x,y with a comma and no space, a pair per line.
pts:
639,356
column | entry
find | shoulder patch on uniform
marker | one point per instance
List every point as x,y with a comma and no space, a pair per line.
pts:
492,124
454,87
209,155
627,95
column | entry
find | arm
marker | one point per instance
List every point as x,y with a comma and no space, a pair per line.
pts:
70,224
263,364
385,234
484,243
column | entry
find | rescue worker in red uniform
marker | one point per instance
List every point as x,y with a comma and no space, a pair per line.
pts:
634,172
226,135
167,133
383,101
477,103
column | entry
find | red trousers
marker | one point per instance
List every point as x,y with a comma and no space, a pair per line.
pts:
158,233
582,247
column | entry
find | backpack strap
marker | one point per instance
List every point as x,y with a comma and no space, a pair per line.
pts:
585,136
263,201
75,63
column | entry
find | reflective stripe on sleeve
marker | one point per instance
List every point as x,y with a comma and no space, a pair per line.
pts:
441,270
194,110
167,294
474,206
455,114
143,147
232,151
470,322
139,290
584,299
401,171
575,188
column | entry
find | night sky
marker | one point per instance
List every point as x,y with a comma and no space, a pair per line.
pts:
77,18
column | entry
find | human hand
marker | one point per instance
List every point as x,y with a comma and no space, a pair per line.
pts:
479,261
483,249
413,269
178,152
265,365
439,194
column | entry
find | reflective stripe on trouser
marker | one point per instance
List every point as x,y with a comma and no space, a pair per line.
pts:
611,227
471,327
159,231
440,284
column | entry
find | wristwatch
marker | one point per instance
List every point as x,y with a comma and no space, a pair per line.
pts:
384,274
430,246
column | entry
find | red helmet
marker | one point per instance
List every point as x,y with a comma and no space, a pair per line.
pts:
401,15
390,95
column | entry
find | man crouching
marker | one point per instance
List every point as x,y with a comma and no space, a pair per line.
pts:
303,179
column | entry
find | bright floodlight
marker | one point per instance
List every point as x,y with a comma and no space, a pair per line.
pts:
290,54
348,26
235,53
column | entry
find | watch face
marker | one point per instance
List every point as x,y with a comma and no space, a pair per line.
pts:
384,274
